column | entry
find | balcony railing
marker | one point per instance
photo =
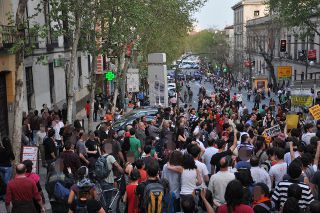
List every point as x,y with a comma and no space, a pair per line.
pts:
7,36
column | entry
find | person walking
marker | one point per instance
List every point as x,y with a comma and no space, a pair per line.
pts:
21,191
6,156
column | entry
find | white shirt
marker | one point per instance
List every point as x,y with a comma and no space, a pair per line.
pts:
278,171
307,136
218,184
203,172
287,156
210,151
260,175
188,181
58,125
239,97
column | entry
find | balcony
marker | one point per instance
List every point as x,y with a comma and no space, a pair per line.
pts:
7,36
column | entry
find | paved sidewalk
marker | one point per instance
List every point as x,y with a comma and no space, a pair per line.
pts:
43,174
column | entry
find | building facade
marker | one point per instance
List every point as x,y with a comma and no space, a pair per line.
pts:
44,69
297,54
244,11
229,33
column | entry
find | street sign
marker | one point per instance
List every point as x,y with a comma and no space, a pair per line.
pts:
284,72
301,100
110,75
133,80
315,111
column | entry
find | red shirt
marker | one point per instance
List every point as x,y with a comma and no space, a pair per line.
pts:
133,206
239,209
143,175
88,108
22,188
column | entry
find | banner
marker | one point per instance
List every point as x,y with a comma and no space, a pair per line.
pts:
273,131
292,121
312,55
284,72
315,111
301,100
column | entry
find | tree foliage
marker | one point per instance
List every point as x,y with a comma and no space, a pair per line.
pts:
304,14
212,43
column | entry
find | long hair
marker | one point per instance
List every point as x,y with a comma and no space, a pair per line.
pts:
234,194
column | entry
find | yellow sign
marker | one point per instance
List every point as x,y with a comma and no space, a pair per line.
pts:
292,121
284,72
301,100
315,111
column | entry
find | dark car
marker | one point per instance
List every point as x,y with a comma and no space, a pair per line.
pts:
122,123
127,119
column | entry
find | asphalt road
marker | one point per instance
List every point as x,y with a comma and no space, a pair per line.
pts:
195,85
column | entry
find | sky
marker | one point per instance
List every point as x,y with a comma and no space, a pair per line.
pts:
215,14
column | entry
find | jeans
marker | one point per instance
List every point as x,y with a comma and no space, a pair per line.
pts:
34,137
6,173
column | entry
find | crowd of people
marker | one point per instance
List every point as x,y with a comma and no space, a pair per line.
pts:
217,157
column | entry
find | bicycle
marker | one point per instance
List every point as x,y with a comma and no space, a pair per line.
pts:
115,196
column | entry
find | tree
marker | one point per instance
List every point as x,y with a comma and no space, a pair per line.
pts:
19,51
261,40
211,42
298,13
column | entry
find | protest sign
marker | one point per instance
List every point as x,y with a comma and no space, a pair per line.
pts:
273,131
315,111
292,121
301,100
31,153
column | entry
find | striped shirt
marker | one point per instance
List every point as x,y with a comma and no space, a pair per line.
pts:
280,194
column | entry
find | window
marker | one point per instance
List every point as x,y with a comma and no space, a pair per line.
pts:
79,72
311,42
29,85
289,46
51,82
256,13
295,53
89,64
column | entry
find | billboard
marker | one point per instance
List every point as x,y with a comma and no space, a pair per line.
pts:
133,80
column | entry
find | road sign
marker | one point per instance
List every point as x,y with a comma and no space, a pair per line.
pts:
284,72
110,75
315,111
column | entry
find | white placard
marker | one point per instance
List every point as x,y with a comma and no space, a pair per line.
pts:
31,153
133,80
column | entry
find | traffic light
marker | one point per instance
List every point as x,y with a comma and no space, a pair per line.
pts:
283,46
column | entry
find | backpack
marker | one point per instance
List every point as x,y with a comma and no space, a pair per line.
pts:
268,209
81,208
60,192
101,167
125,146
153,197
